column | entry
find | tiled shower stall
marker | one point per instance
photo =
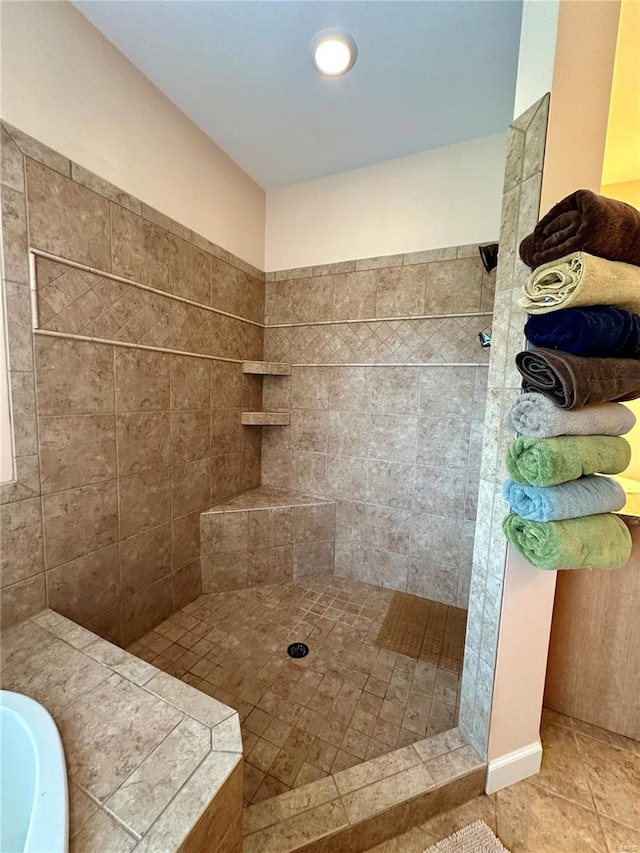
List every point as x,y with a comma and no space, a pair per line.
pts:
139,486
128,398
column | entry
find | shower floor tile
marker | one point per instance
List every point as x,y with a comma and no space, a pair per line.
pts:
347,701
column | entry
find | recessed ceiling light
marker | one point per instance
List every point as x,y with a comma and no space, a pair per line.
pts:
334,53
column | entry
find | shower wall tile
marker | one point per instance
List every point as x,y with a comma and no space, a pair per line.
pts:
185,540
454,286
439,444
23,599
145,609
189,271
67,219
142,380
73,377
19,344
346,477
313,523
14,226
520,208
145,558
79,521
190,435
313,559
278,303
309,430
124,435
22,553
398,440
189,382
144,501
93,182
355,296
396,390
431,579
85,587
166,223
11,165
400,291
389,483
190,487
140,249
22,579
187,584
30,147
76,450
143,442
350,389
310,304
24,423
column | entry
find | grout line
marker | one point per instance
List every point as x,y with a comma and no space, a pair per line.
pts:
139,285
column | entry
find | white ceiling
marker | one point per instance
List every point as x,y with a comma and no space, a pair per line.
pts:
429,73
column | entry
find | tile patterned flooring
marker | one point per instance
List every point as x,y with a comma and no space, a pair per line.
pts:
346,702
586,799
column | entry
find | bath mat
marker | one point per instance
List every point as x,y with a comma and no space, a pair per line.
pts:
475,838
424,630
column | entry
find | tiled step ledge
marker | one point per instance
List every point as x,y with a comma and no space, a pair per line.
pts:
266,418
372,802
264,497
182,749
266,535
266,368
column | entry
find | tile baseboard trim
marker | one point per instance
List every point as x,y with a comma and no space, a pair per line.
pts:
514,767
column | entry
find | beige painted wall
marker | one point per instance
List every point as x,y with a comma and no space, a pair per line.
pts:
444,197
537,53
582,80
65,84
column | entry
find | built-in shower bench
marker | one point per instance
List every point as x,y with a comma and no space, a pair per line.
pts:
266,535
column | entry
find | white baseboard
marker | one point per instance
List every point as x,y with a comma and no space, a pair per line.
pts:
514,767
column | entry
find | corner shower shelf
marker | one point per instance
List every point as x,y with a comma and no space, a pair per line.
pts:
266,418
266,368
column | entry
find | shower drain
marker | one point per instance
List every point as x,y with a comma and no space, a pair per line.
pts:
298,650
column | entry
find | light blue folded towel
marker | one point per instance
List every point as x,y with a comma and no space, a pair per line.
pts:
584,496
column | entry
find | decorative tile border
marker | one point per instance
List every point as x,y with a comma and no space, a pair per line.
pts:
445,340
74,300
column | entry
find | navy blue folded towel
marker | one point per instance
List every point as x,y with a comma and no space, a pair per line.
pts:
602,331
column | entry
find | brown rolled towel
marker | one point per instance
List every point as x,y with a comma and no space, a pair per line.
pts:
572,381
585,222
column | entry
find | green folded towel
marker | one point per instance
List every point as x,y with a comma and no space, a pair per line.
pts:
549,461
592,542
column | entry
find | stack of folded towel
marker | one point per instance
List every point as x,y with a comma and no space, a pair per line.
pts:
583,298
